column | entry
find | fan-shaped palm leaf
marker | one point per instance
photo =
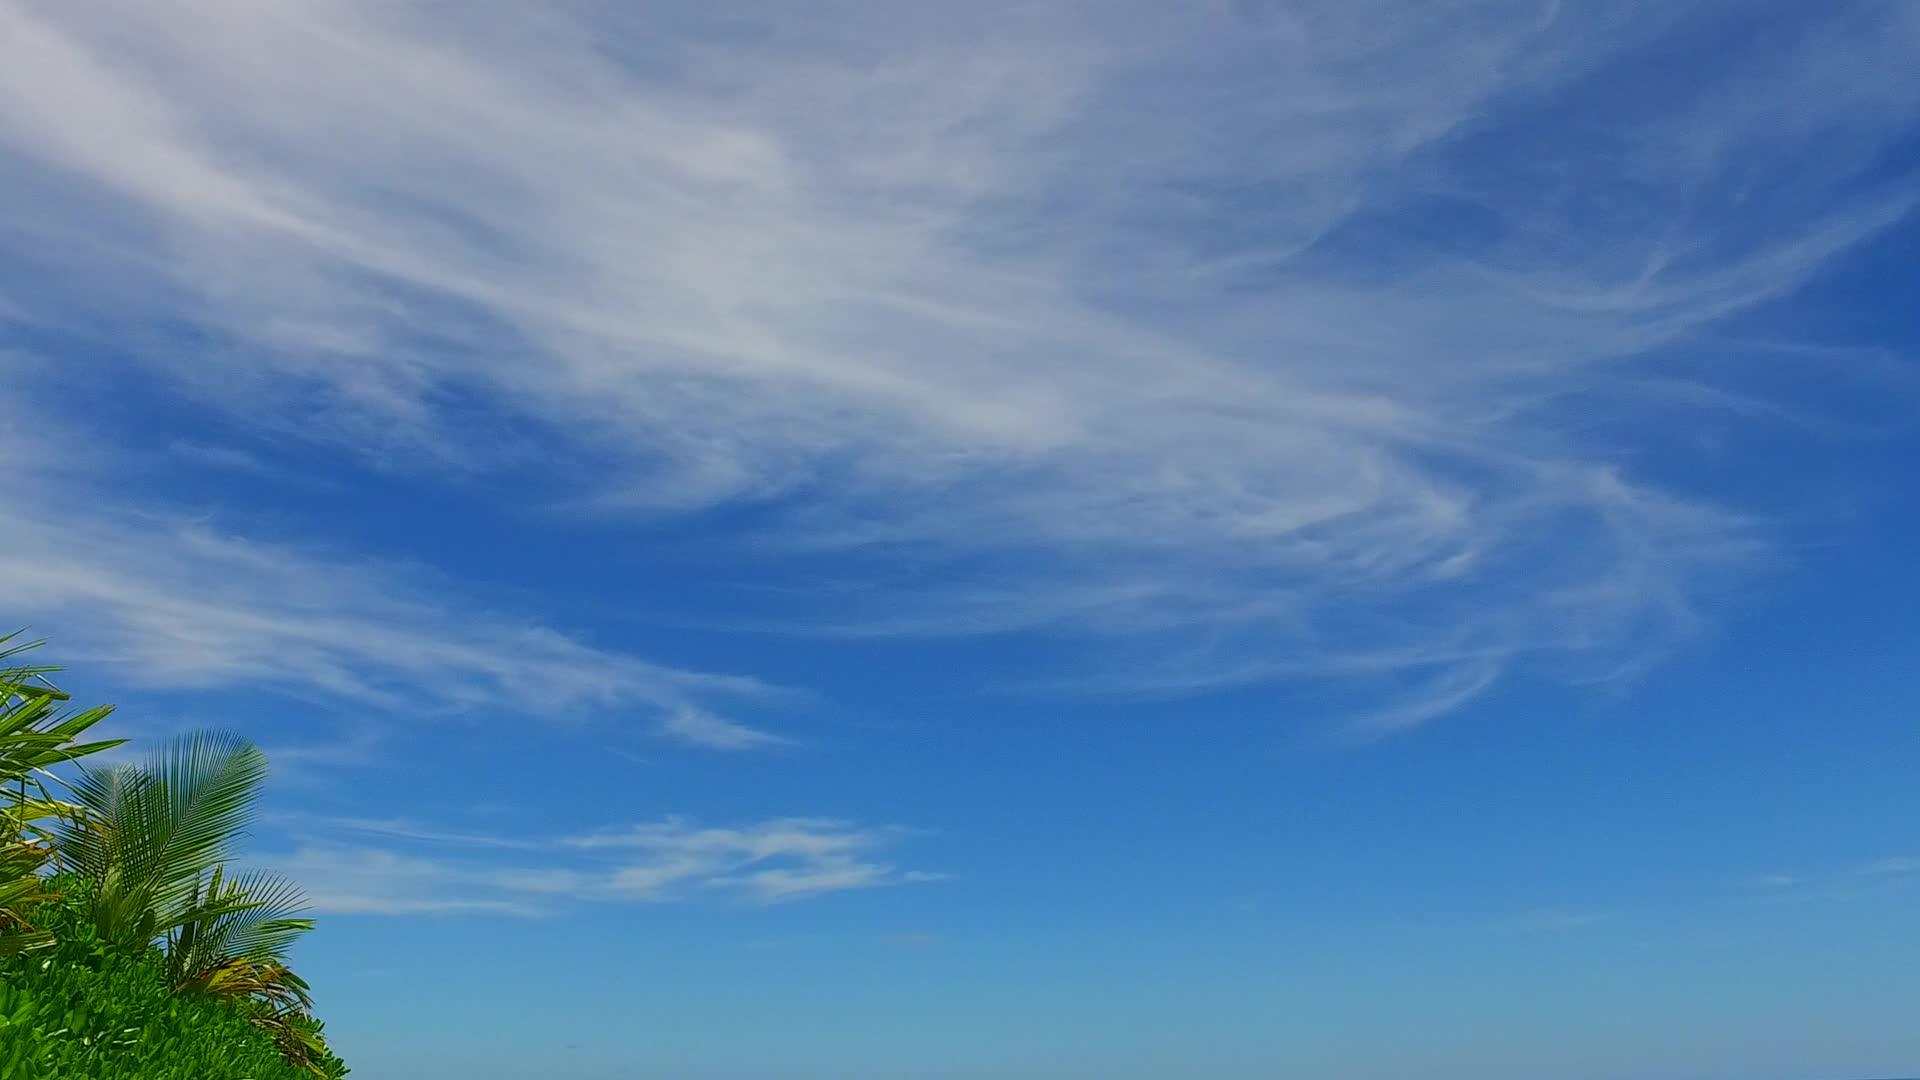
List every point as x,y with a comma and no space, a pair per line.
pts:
150,835
252,919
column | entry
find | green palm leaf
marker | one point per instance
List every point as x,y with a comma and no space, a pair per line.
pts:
252,918
149,835
35,736
146,846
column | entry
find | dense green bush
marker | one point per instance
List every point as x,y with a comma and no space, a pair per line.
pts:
144,958
85,1011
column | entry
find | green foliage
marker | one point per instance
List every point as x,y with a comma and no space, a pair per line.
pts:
88,1010
145,960
147,848
153,834
239,933
35,735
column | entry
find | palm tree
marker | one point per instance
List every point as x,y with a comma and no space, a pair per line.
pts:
34,737
150,849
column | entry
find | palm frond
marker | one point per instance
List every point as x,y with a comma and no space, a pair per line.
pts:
273,984
253,917
35,736
300,1040
209,780
20,886
148,835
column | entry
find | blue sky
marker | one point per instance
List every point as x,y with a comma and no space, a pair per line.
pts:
871,541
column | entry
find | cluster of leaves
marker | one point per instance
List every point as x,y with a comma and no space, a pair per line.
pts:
85,1009
111,969
34,737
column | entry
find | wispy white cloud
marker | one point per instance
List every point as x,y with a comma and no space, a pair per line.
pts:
1267,341
698,727
372,881
673,859
1456,684
396,829
177,603
1892,866
239,460
313,762
1888,872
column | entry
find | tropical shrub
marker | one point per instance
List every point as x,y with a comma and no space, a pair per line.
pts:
147,849
145,959
84,1009
34,736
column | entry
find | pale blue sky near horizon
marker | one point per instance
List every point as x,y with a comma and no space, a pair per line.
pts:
843,540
